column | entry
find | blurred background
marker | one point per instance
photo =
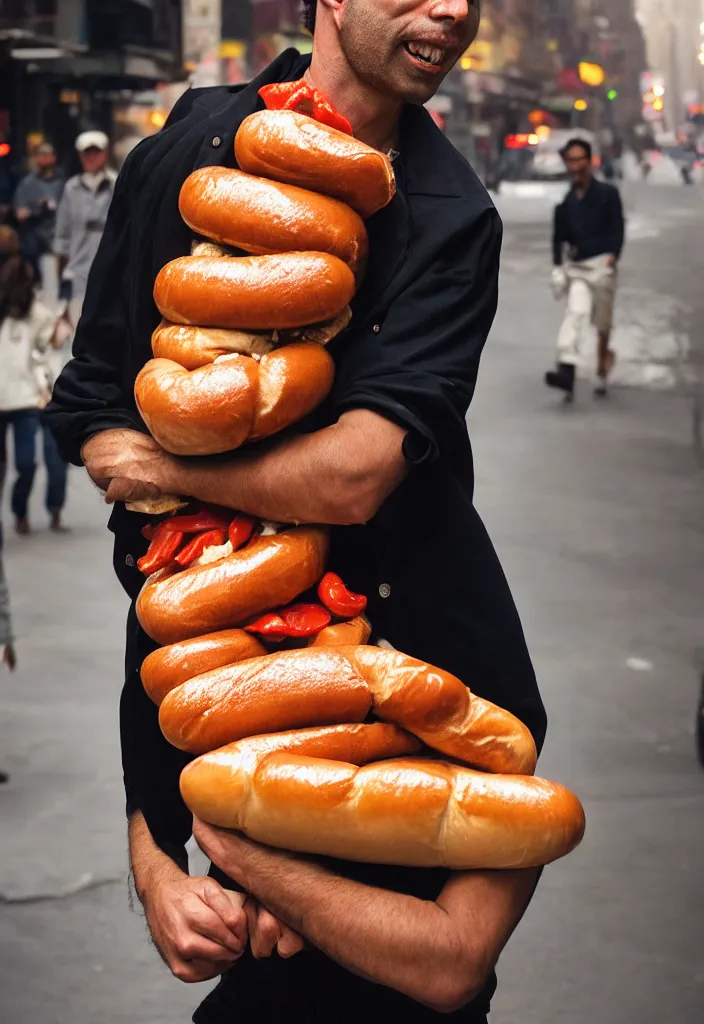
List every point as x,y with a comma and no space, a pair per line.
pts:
596,508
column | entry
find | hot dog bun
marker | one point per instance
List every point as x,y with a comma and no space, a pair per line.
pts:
168,667
256,292
292,148
193,347
219,406
356,631
269,572
433,705
264,217
308,795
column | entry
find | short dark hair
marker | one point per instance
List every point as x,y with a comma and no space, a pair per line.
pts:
308,8
581,143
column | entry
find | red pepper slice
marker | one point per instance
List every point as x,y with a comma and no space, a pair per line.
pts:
148,531
240,530
338,599
306,99
195,548
303,620
270,625
161,551
198,522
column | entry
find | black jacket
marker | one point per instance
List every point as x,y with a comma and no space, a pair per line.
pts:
591,226
412,354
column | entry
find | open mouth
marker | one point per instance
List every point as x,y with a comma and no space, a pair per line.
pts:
425,53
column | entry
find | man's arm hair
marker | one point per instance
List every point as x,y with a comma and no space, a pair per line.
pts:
339,475
439,953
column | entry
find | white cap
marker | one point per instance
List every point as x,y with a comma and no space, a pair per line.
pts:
92,140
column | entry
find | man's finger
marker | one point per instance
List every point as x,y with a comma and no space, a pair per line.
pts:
227,905
264,930
190,944
290,942
208,924
191,972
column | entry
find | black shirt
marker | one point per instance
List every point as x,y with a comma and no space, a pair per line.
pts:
590,226
412,352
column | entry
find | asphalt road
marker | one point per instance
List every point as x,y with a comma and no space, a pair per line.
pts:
596,511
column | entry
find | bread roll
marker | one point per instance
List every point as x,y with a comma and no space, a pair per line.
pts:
168,667
193,347
264,217
431,704
294,149
235,399
312,798
356,631
269,572
255,292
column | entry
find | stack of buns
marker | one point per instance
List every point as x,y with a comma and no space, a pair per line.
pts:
321,744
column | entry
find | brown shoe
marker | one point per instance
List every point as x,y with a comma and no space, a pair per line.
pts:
22,525
56,526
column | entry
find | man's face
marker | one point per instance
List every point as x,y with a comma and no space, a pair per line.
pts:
404,48
45,160
93,160
578,164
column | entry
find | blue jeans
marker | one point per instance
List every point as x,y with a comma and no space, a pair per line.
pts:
25,425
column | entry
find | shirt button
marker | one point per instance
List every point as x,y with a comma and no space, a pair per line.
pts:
129,562
384,590
376,328
217,141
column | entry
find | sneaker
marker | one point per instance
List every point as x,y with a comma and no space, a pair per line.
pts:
600,388
562,379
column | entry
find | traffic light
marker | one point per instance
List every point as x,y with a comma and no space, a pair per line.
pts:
612,94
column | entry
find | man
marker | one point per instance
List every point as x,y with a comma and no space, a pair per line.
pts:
387,462
81,220
589,223
36,201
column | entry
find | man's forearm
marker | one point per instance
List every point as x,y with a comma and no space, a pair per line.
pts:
149,862
408,944
339,475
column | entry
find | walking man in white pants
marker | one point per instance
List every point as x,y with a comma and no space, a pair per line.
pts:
587,242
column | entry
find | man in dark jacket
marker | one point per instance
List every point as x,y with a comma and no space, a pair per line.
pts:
587,242
385,461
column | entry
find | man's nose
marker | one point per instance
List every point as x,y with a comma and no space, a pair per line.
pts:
453,10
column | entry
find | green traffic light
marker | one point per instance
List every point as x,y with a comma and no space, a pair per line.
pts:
611,94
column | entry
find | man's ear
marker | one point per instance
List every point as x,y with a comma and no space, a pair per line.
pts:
336,7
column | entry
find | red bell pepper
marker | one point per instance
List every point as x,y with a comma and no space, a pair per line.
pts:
240,530
338,599
148,531
303,620
270,625
199,521
195,548
161,551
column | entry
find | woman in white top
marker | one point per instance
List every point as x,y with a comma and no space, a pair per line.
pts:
26,330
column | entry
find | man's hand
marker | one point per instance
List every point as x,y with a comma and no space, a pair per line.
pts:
126,464
236,855
22,213
199,928
9,657
611,261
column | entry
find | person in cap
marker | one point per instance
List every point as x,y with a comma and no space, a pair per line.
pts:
36,201
81,220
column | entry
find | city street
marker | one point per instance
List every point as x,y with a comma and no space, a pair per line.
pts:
596,510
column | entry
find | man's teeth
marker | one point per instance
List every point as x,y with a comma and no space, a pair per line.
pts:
430,54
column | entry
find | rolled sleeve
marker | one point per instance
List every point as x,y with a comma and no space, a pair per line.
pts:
418,366
92,394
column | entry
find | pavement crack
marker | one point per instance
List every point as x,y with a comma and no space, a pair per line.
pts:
83,884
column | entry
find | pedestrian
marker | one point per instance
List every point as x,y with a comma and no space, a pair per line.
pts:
7,641
36,201
388,454
589,224
26,330
81,220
